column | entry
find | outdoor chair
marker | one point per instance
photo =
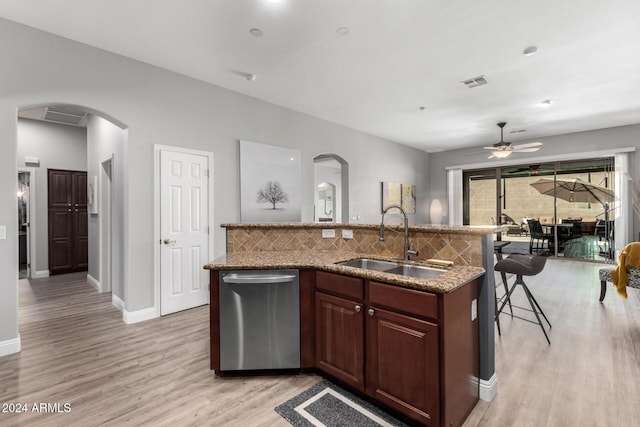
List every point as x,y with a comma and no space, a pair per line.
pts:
538,237
514,229
576,230
602,227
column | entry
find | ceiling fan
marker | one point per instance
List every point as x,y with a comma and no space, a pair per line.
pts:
504,149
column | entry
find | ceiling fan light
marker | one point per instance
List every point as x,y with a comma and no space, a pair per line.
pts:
501,154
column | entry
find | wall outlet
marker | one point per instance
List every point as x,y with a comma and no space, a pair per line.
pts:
328,233
347,234
3,232
474,309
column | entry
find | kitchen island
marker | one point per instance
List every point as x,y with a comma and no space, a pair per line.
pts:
411,344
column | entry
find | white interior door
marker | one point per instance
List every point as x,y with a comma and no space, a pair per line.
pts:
184,231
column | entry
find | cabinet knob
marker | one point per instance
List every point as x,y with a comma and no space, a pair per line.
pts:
358,308
371,312
69,210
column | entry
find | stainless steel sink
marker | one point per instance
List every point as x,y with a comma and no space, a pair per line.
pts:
370,264
416,271
394,268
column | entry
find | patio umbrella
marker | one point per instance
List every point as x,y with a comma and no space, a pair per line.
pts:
575,190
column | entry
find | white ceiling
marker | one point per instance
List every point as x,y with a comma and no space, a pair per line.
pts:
398,56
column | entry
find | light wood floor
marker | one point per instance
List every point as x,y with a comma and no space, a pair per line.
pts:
77,350
588,376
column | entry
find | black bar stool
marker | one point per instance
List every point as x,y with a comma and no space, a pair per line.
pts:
497,249
524,265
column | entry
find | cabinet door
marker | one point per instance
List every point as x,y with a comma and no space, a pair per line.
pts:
402,364
340,339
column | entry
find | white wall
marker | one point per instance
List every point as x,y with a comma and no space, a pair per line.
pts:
57,147
160,107
106,139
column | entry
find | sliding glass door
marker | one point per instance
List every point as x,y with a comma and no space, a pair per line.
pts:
565,207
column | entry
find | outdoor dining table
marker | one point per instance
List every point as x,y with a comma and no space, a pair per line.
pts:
556,238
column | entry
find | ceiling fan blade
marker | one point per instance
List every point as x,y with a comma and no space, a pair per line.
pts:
490,148
525,150
529,145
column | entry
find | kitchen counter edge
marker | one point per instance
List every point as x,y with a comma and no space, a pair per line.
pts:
446,282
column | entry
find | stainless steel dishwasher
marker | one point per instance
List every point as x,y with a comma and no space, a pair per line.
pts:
259,320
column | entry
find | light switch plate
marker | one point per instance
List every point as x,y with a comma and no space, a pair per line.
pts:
474,309
3,232
328,233
347,234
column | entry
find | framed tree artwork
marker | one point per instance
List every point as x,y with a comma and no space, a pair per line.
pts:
270,188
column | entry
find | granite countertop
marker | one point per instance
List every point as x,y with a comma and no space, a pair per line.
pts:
325,261
453,229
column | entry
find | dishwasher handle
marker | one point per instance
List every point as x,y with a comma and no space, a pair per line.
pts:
258,278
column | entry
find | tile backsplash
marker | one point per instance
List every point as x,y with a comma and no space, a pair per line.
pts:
461,248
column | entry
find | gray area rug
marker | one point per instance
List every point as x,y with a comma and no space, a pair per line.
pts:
326,404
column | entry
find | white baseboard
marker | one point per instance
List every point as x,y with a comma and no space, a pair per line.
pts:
40,274
93,282
130,317
10,346
117,303
489,388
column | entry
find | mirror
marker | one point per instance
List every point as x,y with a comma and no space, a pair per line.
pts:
331,188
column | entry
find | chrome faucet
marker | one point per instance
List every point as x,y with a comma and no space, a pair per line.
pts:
407,252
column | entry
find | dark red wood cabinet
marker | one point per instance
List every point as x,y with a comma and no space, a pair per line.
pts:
68,221
420,350
340,339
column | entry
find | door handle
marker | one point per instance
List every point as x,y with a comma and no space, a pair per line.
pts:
168,242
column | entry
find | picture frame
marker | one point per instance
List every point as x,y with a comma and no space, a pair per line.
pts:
92,195
270,189
400,194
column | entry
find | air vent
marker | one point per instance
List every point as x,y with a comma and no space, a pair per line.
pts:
476,81
65,115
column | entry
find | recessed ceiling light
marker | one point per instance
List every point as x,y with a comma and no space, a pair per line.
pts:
531,50
422,108
256,32
273,1
547,102
343,31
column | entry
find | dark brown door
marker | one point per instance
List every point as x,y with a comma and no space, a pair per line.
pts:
68,225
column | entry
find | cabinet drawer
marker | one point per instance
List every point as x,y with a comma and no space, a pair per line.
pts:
346,286
410,301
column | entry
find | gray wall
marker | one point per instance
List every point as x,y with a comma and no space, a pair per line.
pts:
573,144
160,107
105,139
57,147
